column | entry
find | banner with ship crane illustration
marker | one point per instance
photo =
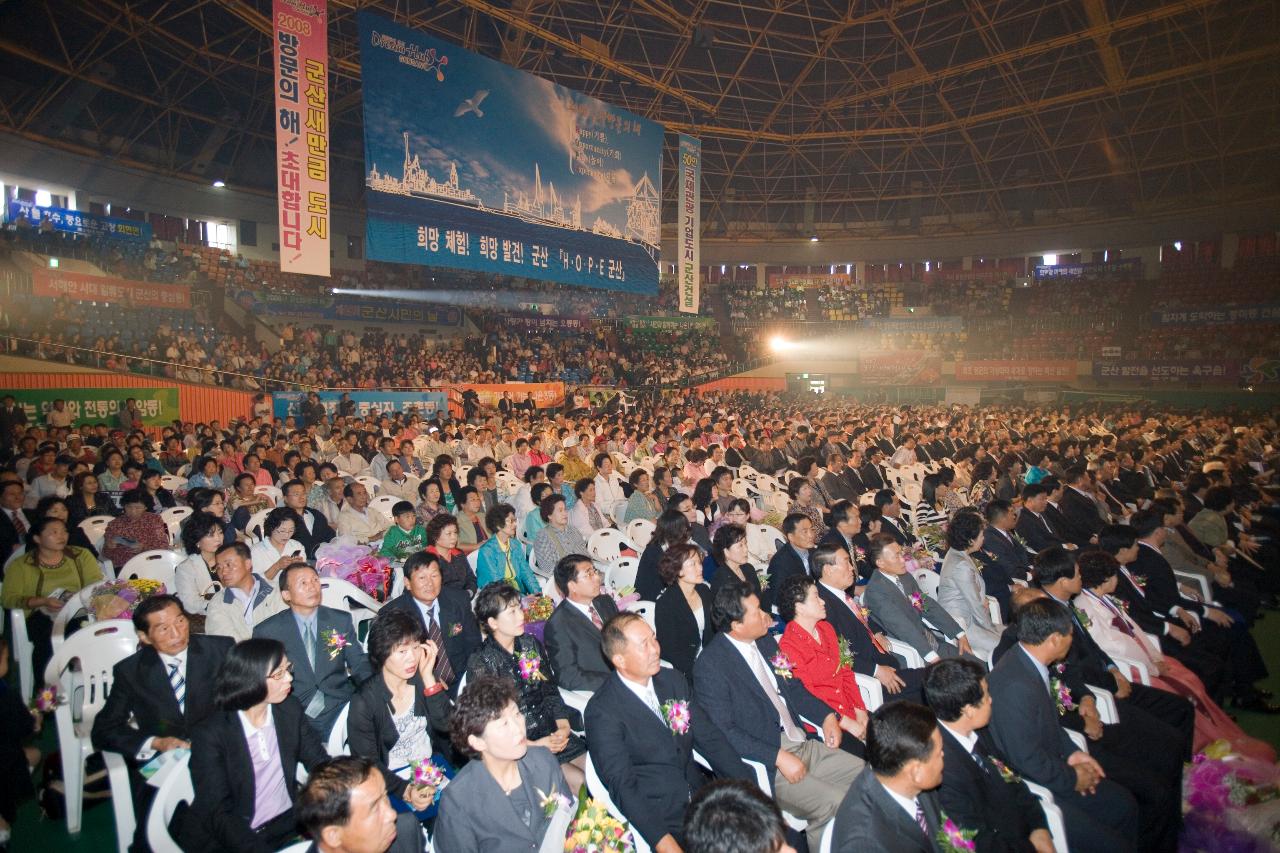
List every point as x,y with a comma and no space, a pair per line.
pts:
473,164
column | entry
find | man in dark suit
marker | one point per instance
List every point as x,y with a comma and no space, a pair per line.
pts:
1099,814
908,614
325,676
792,558
893,806
747,689
846,523
1153,722
870,470
310,528
572,634
13,519
841,482
891,520
978,790
1081,516
1006,559
12,416
642,729
871,655
445,615
159,694
1033,525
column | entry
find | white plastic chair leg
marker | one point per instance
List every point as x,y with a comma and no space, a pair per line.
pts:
121,799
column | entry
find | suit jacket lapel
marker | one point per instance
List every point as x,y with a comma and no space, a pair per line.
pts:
156,678
902,823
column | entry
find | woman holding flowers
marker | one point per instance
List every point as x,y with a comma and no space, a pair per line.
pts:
397,717
504,800
821,660
508,652
42,579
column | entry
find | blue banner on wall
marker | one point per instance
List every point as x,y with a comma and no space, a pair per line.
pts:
473,164
350,309
428,403
78,222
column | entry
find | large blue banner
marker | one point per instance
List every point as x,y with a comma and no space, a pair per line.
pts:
475,165
427,403
362,309
79,222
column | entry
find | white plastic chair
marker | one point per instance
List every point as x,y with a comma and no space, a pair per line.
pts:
346,596
1197,581
337,744
384,503
1108,714
763,542
175,789
871,689
96,649
928,581
174,516
622,572
273,492
1133,670
74,606
599,793
908,654
254,525
95,529
473,560
154,565
606,544
765,784
993,609
172,482
576,699
23,649
1052,815
640,531
646,609
369,482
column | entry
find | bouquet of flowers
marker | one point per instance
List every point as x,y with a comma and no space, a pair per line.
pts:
338,560
1232,803
917,556
424,773
537,610
47,699
953,839
116,599
624,597
846,656
373,575
932,536
594,830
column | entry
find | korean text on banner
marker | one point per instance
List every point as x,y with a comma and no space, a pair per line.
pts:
426,403
156,406
301,29
690,231
79,222
475,165
98,288
1000,370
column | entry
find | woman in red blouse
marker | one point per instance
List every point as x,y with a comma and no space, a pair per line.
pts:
811,645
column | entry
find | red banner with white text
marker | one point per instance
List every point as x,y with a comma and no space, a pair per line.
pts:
100,288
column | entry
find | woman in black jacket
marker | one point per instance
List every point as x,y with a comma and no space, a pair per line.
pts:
682,618
395,716
249,750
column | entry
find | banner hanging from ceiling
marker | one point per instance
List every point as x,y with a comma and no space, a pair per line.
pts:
690,230
301,36
475,165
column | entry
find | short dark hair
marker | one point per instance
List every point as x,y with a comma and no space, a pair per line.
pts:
1051,565
876,545
1115,537
1096,567
613,635
792,521
997,509
1146,521
466,492
242,679
1035,490
241,549
1039,619
821,557
390,628
566,570
419,559
548,505
197,526
951,684
491,600
841,510
282,580
884,497
136,496
732,816
437,524
482,701
727,607
793,591
497,516
965,528
325,799
154,604
673,559
897,733
275,518
727,535
400,508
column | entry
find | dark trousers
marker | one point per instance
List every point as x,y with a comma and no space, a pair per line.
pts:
1106,820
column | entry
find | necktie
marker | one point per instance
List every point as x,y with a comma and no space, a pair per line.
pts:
651,699
595,617
857,611
309,643
443,670
770,687
179,685
924,824
18,523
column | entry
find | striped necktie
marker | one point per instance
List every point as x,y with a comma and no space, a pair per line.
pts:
179,685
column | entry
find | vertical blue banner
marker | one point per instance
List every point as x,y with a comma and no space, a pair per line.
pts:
475,165
689,203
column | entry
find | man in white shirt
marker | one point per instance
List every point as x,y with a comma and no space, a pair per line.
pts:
246,599
347,459
59,415
904,455
56,482
609,494
356,521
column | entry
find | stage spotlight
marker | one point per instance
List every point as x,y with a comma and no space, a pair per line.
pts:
778,343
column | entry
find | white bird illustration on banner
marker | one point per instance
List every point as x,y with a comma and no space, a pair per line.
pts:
472,104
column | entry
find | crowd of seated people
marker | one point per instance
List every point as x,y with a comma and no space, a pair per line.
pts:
834,672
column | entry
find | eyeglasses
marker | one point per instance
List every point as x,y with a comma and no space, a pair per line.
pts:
281,672
589,573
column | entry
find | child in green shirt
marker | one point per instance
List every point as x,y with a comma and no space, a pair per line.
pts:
406,536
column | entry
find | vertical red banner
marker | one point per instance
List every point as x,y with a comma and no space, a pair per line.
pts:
301,30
